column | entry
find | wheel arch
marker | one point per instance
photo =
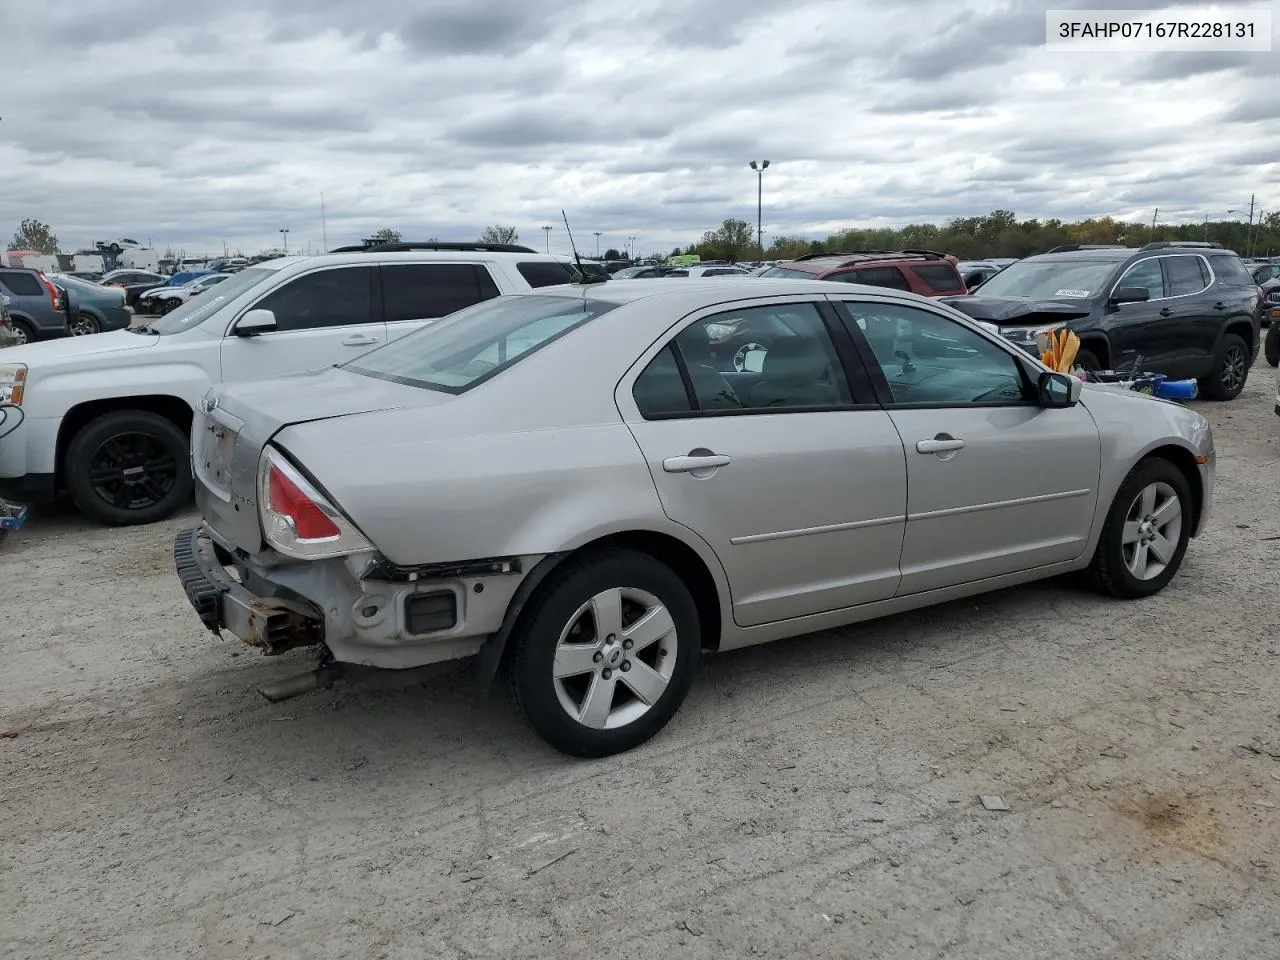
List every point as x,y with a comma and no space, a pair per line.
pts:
1185,461
174,409
670,550
1097,343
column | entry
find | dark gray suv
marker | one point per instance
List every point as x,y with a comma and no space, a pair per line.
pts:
37,306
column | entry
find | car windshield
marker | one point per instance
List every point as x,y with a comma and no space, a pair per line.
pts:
477,343
626,273
196,310
788,274
1050,279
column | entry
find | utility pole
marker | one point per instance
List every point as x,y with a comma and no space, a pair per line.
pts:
597,244
548,232
284,233
1248,241
324,229
1153,223
1206,227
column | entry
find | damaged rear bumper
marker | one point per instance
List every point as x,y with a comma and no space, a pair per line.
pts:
272,624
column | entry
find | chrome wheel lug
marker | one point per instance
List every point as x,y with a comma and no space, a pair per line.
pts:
628,644
607,674
598,656
626,665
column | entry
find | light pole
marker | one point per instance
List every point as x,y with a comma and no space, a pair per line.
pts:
284,232
597,244
759,168
631,247
547,230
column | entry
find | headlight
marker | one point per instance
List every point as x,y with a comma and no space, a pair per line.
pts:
13,377
1028,335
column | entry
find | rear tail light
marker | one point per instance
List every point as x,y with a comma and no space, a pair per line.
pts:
297,519
55,298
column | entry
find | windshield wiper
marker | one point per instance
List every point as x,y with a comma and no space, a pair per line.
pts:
145,328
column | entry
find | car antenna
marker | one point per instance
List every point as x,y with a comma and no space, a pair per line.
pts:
574,247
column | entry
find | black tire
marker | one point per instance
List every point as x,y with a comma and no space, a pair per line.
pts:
170,305
1087,360
85,325
25,331
1108,572
533,644
1230,369
1271,346
103,455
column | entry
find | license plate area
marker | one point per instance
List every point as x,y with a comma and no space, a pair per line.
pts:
214,451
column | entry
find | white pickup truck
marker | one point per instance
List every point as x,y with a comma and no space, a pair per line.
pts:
107,418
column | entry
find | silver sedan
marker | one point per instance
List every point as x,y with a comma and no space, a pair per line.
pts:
590,486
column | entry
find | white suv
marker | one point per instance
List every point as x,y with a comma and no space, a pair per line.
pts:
107,418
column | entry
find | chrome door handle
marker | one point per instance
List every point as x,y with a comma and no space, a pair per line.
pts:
1166,312
939,444
359,341
689,464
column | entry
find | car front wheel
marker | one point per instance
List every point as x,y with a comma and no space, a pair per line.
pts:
604,655
129,467
1146,532
85,325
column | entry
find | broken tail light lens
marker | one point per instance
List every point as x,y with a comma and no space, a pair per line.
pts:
297,519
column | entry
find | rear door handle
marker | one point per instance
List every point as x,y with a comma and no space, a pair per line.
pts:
689,464
939,444
1166,312
1219,305
360,341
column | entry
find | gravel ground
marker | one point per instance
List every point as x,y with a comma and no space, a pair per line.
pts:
814,798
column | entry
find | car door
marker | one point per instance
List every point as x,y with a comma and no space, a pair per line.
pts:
415,294
324,317
995,483
1190,336
793,474
1142,331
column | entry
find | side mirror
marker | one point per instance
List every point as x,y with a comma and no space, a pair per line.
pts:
1058,390
1130,295
256,322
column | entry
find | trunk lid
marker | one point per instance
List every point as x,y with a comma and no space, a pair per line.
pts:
235,421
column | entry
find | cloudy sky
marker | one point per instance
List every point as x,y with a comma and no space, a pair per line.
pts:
147,119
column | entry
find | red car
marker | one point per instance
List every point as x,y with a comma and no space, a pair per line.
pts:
924,272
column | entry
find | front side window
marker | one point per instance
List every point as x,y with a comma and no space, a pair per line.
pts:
757,359
1147,275
932,360
1185,275
426,291
338,297
477,343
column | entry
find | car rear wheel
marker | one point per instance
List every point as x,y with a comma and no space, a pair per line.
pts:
1146,532
129,467
1271,346
85,325
23,330
1087,360
604,655
1230,369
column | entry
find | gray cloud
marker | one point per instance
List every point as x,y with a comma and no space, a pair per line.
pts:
437,117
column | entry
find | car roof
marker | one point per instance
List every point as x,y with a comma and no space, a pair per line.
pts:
719,290
1112,254
407,256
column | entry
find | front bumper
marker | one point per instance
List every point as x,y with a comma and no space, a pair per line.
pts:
359,617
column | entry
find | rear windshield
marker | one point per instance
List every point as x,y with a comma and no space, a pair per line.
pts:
198,309
1050,279
788,274
941,278
473,345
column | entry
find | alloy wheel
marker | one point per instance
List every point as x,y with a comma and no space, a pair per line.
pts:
132,471
1152,531
615,658
84,325
1234,365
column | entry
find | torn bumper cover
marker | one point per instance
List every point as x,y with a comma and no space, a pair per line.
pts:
272,624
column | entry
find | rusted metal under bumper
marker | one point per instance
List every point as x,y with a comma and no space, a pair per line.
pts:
272,624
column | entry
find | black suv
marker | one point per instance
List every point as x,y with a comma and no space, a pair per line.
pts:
1184,309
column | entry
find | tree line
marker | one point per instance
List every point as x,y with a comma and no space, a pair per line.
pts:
998,234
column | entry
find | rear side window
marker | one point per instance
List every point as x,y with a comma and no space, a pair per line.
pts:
880,277
543,274
941,277
1185,275
1231,271
425,291
337,297
660,388
21,284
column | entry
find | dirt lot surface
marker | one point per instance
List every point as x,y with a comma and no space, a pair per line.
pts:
814,798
